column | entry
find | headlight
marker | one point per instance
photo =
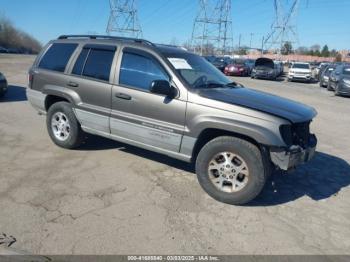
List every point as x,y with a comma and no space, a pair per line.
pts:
346,81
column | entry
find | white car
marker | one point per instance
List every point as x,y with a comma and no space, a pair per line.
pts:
300,71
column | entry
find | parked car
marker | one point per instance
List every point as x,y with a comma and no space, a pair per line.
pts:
325,75
3,85
264,68
237,67
3,50
221,63
210,58
250,63
300,72
319,70
279,67
173,102
339,80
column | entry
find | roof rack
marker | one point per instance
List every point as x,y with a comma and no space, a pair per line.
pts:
136,40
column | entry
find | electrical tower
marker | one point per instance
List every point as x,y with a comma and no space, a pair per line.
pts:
284,28
123,20
212,28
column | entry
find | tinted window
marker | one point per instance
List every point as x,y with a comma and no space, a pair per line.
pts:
79,64
139,71
301,66
98,64
346,71
57,57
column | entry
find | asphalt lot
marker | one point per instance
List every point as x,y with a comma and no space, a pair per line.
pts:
111,198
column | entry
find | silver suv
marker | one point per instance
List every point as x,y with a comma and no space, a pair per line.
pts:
173,102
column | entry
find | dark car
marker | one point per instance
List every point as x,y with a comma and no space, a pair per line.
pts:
3,85
319,70
324,77
237,67
264,68
221,62
3,50
210,58
339,80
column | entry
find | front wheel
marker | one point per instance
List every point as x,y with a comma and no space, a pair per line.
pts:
231,170
63,127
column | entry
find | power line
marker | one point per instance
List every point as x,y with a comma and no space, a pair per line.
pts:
123,19
212,28
284,28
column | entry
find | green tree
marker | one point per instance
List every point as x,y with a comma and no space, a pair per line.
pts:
325,51
287,48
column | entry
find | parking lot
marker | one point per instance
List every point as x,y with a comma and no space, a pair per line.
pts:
111,198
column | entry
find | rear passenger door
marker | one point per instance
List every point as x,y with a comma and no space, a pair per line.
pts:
139,115
91,79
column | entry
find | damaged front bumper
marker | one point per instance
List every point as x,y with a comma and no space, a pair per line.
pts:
294,156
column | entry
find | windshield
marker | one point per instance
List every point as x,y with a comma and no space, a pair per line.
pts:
301,66
198,72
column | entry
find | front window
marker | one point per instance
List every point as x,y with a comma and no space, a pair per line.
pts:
140,71
301,66
197,72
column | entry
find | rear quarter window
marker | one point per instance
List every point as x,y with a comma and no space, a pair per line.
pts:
57,56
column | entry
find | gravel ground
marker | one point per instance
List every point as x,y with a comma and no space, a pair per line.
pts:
111,198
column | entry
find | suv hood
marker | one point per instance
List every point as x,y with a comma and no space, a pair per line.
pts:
265,62
301,70
293,111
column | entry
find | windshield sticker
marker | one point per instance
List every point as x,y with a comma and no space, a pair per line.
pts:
180,63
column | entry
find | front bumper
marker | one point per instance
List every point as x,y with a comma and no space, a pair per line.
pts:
299,77
294,156
344,89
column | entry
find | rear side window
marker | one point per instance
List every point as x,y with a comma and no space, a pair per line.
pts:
139,71
57,57
94,63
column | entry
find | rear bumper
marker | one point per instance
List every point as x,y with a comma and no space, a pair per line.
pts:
37,100
294,156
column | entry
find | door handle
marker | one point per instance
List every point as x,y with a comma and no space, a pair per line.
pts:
123,96
72,84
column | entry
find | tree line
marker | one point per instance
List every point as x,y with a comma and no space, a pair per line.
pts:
16,40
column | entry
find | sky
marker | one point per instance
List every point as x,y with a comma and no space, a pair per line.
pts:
163,21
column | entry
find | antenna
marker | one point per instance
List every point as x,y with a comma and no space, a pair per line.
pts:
123,19
212,28
284,28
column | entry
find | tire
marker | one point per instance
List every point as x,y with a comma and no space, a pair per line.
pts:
240,150
329,87
63,113
336,90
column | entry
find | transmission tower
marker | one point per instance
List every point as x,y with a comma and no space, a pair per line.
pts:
123,20
212,28
284,28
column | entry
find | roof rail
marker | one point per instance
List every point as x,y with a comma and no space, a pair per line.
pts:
136,40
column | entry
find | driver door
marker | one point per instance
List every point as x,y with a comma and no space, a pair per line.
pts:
140,116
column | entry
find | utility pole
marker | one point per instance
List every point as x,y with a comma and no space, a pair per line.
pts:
123,19
251,37
239,42
284,28
212,28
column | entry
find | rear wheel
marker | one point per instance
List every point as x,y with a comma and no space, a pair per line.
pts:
231,170
63,127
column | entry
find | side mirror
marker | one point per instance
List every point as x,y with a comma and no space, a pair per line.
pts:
163,87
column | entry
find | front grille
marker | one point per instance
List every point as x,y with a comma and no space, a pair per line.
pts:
301,134
296,134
